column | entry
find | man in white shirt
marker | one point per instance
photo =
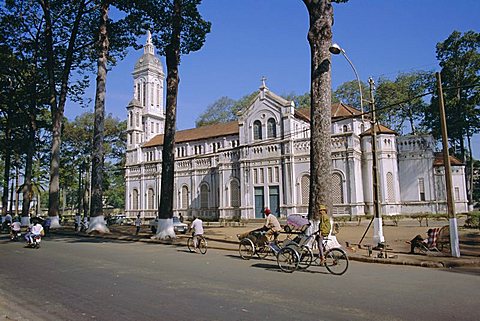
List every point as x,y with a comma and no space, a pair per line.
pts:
197,227
272,225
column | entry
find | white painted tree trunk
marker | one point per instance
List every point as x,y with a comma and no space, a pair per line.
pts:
165,229
98,224
54,222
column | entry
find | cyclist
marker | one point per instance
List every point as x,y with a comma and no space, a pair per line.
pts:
197,227
323,230
272,226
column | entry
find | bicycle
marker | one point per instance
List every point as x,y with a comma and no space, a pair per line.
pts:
336,260
201,244
287,258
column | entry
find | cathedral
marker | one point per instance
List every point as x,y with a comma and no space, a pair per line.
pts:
234,170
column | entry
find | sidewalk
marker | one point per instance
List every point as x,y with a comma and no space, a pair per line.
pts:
396,237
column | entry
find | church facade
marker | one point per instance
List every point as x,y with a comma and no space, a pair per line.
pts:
234,170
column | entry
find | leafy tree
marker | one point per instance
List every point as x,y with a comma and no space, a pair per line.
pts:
218,112
22,82
399,102
349,93
459,58
320,39
224,110
77,143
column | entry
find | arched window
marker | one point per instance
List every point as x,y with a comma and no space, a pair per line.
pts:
184,197
204,196
150,199
257,130
234,194
144,100
305,188
135,199
390,188
130,115
271,128
337,188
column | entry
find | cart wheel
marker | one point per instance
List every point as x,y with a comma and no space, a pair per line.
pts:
287,259
263,251
246,249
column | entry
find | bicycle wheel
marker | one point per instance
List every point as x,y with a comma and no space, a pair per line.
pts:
190,246
336,261
246,249
287,259
202,245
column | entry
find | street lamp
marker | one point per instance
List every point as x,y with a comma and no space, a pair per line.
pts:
378,237
336,50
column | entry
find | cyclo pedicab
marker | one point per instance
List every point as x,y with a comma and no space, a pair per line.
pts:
302,240
256,243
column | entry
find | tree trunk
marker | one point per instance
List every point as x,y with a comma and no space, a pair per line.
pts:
57,110
97,222
27,189
320,39
165,210
7,164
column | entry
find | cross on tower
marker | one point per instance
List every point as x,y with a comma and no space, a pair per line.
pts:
263,81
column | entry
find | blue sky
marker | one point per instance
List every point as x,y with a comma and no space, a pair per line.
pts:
254,38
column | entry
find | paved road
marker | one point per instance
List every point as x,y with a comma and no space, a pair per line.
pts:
72,278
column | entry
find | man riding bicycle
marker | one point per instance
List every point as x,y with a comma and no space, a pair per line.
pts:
197,227
272,226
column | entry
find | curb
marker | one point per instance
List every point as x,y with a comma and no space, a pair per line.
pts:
352,257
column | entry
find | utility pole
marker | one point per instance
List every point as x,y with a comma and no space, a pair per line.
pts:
455,248
377,221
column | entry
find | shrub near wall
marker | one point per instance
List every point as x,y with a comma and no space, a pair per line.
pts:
473,220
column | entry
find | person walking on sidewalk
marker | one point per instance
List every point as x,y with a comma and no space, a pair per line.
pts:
138,223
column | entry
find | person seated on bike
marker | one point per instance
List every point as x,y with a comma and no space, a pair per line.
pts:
272,226
197,227
323,230
15,228
34,230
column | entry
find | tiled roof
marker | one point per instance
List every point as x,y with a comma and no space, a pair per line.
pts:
438,161
380,130
339,110
203,132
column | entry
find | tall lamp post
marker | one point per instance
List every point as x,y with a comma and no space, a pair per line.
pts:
377,218
336,50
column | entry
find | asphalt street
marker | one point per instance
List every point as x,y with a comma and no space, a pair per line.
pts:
75,278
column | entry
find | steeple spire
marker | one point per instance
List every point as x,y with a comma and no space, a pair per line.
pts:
149,48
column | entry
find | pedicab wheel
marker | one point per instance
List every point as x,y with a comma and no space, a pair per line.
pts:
246,249
306,257
336,261
202,245
190,246
287,259
262,251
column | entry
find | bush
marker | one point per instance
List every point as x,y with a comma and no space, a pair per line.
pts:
473,220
